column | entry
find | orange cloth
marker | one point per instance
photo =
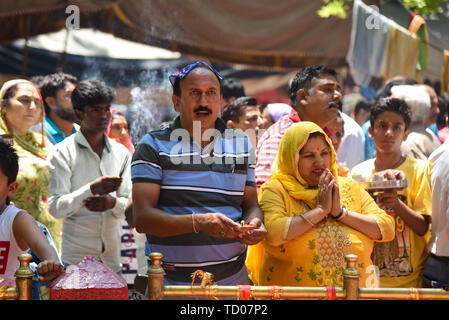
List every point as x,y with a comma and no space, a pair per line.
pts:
416,23
445,78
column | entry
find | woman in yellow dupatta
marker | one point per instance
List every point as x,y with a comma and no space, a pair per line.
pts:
312,221
21,108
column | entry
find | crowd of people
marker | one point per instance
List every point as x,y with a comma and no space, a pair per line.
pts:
265,196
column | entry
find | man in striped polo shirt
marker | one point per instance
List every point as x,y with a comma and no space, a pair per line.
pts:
315,96
193,183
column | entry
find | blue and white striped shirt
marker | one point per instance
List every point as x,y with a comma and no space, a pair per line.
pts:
193,179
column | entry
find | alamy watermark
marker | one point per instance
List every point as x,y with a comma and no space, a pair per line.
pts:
373,21
72,22
372,281
236,148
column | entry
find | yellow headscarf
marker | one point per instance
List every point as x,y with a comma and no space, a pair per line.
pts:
286,170
29,141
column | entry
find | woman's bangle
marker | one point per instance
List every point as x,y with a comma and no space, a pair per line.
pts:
344,215
193,222
342,210
307,220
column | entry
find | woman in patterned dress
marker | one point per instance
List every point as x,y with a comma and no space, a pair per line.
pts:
21,108
313,220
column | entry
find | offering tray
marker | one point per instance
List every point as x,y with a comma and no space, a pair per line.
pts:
384,184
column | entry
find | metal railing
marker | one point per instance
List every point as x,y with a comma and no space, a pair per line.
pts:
157,291
349,291
24,276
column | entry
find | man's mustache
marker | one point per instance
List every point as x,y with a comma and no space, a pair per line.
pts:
202,108
335,103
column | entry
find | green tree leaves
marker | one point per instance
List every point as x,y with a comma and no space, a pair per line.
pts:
339,8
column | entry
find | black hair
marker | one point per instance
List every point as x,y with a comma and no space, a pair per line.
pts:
52,83
303,80
233,87
37,80
398,106
316,134
385,91
117,114
362,105
91,92
177,82
446,97
9,94
234,109
9,162
443,105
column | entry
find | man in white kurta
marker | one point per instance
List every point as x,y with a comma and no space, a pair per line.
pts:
73,165
352,148
90,181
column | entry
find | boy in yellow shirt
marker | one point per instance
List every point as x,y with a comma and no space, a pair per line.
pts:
400,261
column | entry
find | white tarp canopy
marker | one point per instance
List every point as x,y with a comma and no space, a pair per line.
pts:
94,43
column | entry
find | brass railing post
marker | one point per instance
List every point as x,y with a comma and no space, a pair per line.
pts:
351,277
24,276
156,277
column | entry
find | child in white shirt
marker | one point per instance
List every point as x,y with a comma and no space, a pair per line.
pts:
18,230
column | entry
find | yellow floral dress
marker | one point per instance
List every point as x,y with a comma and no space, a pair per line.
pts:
33,190
33,176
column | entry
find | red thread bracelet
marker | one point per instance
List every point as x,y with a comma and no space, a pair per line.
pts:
331,293
244,292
